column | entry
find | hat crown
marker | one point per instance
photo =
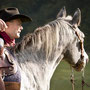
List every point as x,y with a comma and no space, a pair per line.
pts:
6,13
12,10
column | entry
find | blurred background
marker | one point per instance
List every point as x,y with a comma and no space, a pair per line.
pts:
44,11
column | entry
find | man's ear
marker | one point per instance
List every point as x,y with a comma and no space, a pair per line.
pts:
62,13
76,20
7,23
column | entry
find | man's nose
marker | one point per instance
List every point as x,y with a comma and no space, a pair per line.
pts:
21,28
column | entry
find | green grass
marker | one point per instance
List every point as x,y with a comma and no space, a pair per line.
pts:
61,78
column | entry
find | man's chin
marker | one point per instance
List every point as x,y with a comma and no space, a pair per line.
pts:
18,36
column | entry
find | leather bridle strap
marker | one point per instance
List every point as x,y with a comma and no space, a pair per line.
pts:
81,44
83,81
72,79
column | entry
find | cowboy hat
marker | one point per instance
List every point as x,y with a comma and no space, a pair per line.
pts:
11,13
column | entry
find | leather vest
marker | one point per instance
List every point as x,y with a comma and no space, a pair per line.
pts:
7,64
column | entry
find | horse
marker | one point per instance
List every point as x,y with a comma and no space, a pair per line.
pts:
39,53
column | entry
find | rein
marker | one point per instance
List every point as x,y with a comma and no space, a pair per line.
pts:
83,83
72,79
82,56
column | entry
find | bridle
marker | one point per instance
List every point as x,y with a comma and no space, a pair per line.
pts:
81,41
82,58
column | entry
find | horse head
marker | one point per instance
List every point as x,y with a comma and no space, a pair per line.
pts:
75,53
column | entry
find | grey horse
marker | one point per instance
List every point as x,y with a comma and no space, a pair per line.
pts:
40,52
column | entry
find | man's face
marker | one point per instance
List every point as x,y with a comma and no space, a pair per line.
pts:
14,28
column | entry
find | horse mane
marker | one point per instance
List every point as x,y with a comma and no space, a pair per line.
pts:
46,38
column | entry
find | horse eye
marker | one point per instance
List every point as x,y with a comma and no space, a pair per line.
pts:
78,45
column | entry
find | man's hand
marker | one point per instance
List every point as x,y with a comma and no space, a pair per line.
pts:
3,25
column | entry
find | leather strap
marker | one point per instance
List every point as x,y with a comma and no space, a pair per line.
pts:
2,86
12,85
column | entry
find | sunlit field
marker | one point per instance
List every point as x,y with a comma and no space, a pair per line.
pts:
61,77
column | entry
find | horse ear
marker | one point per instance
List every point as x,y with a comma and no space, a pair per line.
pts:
62,13
76,20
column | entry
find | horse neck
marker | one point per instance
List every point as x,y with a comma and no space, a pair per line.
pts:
46,44
45,40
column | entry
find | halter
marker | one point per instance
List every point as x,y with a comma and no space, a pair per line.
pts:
82,57
81,42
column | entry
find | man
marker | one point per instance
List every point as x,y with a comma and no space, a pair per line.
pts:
10,28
